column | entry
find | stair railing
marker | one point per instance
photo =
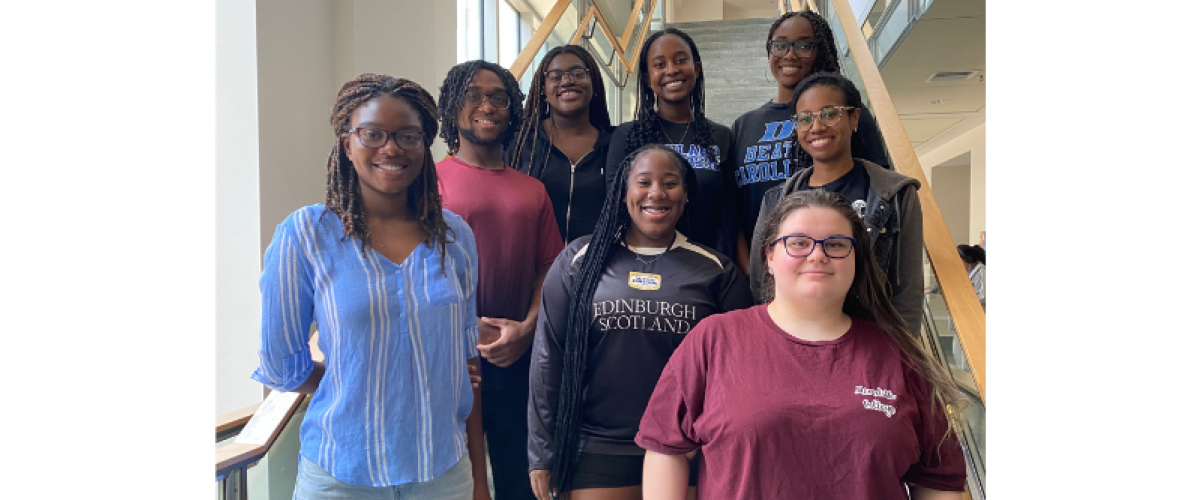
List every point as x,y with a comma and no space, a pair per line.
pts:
961,301
625,52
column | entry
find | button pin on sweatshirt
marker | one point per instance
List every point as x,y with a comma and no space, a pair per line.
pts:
644,281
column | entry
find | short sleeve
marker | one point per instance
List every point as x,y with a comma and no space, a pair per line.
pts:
465,239
942,466
284,359
735,292
668,425
550,241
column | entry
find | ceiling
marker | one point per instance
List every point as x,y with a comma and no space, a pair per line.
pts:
949,37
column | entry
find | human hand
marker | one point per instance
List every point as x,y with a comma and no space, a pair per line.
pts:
539,480
513,339
473,373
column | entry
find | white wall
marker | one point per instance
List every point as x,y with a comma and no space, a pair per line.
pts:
973,140
951,184
237,207
737,12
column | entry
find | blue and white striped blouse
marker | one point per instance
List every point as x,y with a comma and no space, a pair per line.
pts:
392,406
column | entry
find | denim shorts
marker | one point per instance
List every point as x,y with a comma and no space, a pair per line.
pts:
313,483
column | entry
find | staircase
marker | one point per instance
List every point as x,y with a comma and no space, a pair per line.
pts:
734,54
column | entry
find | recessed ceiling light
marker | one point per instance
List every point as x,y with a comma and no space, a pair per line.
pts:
939,101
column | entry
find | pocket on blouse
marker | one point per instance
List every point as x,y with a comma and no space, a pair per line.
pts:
442,288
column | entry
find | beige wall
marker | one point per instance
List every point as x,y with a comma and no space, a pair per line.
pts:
974,141
952,188
732,11
682,11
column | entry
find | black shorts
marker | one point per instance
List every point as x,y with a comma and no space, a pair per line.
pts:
616,471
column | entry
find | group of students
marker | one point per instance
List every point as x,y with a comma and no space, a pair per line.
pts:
601,275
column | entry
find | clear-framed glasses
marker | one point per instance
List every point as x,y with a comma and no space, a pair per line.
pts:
371,137
802,48
557,75
829,116
799,246
476,99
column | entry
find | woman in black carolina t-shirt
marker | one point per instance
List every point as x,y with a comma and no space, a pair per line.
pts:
798,45
563,140
615,305
670,111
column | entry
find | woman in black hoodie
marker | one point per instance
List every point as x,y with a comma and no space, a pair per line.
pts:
563,140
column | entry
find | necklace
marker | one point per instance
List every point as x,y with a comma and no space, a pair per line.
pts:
681,138
639,258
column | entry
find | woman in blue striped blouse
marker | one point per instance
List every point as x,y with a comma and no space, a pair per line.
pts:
389,278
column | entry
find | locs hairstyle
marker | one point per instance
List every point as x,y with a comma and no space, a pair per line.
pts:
610,231
850,97
454,88
868,298
342,195
536,109
826,50
647,126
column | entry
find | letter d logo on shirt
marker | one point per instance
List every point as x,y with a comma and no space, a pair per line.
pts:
644,281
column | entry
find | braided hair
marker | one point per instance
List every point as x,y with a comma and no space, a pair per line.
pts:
536,108
827,59
342,195
610,231
827,62
851,97
454,88
647,125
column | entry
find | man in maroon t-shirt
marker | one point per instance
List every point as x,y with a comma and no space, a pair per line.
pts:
517,239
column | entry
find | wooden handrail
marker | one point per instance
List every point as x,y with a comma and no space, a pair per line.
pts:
961,301
628,34
621,46
525,58
608,33
260,434
236,418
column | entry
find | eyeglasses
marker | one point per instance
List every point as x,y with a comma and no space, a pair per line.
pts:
829,116
371,137
557,75
801,48
835,247
497,100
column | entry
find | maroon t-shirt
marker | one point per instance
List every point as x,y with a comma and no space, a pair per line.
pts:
780,417
515,234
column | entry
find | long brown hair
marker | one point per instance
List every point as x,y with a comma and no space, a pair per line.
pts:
342,196
868,298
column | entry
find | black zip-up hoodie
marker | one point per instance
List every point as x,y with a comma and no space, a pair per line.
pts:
577,196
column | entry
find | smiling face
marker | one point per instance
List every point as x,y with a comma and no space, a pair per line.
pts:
568,97
387,170
671,69
487,123
655,196
824,143
816,277
790,68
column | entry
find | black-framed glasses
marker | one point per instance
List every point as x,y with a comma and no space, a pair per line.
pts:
576,75
829,116
800,246
371,137
476,99
802,48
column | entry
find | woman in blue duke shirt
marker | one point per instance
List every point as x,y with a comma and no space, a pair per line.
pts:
389,278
